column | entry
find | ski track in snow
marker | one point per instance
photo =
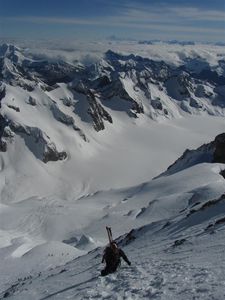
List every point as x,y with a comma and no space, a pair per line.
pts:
158,279
190,271
173,255
150,279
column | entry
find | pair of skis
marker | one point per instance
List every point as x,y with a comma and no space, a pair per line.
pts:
109,232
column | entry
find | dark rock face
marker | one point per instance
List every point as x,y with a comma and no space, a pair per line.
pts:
61,116
32,101
185,83
67,101
38,143
16,108
66,119
219,153
52,72
2,93
3,124
98,113
157,104
206,205
194,103
3,146
211,76
102,82
53,155
179,242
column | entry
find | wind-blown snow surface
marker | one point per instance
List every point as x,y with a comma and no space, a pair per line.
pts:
177,253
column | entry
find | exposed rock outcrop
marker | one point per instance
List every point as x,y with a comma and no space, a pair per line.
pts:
38,142
3,124
213,152
97,112
219,153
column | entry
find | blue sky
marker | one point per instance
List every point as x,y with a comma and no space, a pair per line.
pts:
198,20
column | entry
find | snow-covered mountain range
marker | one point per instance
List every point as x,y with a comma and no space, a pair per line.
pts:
79,146
79,96
128,83
55,111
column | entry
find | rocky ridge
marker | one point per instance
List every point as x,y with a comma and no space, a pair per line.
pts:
130,84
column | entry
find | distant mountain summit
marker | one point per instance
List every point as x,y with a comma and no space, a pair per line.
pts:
18,70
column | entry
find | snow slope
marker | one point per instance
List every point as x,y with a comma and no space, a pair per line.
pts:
176,250
79,147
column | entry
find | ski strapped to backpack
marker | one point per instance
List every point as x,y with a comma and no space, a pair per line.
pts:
109,231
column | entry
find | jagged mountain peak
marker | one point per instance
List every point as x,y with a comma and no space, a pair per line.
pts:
114,56
18,70
8,49
118,88
121,58
12,54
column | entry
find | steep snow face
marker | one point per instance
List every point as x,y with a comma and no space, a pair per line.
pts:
176,252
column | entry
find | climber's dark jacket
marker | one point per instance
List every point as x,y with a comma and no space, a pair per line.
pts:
112,259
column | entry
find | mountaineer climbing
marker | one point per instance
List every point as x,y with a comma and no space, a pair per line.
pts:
112,256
